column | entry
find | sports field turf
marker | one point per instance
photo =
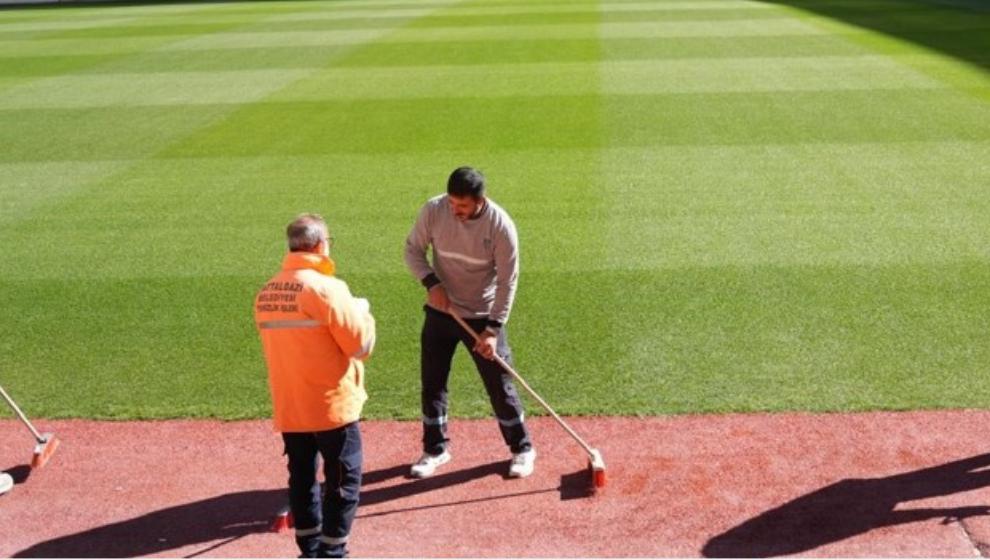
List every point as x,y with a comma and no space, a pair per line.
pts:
722,204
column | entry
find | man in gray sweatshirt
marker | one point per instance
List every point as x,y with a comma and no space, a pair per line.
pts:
474,271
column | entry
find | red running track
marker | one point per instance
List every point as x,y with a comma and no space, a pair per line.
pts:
879,484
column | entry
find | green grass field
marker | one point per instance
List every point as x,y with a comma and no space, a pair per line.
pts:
723,205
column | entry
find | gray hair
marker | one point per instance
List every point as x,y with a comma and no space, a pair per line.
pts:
306,232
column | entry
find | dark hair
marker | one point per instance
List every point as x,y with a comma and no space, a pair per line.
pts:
466,181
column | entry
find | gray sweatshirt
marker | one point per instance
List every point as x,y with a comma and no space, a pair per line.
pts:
476,261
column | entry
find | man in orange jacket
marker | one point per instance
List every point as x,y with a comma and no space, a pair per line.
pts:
316,336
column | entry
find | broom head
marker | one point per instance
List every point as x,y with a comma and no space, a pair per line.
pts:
44,450
597,466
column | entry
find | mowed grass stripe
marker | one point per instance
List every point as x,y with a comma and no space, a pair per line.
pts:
605,8
665,76
40,66
80,13
153,367
9,29
93,134
146,31
199,24
389,55
27,186
170,204
441,23
360,127
537,31
490,37
762,75
796,117
801,205
731,28
55,57
275,10
6,82
150,89
124,27
515,18
825,338
530,51
280,39
112,131
221,60
353,13
496,9
66,139
12,49
115,19
407,125
167,12
687,347
411,125
126,21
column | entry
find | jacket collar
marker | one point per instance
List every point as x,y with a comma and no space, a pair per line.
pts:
301,260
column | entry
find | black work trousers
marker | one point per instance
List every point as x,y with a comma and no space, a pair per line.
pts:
439,339
323,523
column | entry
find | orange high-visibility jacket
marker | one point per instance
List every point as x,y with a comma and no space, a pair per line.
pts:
315,336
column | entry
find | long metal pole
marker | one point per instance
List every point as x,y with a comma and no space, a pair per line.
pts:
539,399
13,405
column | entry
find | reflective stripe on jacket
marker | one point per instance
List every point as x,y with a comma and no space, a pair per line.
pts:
315,336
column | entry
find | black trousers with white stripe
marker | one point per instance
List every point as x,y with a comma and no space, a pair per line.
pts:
439,340
323,520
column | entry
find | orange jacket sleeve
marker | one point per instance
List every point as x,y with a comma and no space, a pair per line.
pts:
351,325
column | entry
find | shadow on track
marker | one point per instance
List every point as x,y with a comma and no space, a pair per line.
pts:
232,516
20,473
414,487
572,486
226,517
851,507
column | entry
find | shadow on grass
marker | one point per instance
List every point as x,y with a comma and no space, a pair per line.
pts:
958,28
852,507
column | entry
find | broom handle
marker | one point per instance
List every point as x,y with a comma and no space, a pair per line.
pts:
20,414
539,399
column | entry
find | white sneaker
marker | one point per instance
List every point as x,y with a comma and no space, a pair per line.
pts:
6,483
522,464
428,464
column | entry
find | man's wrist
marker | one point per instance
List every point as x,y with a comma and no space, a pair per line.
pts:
493,327
430,280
